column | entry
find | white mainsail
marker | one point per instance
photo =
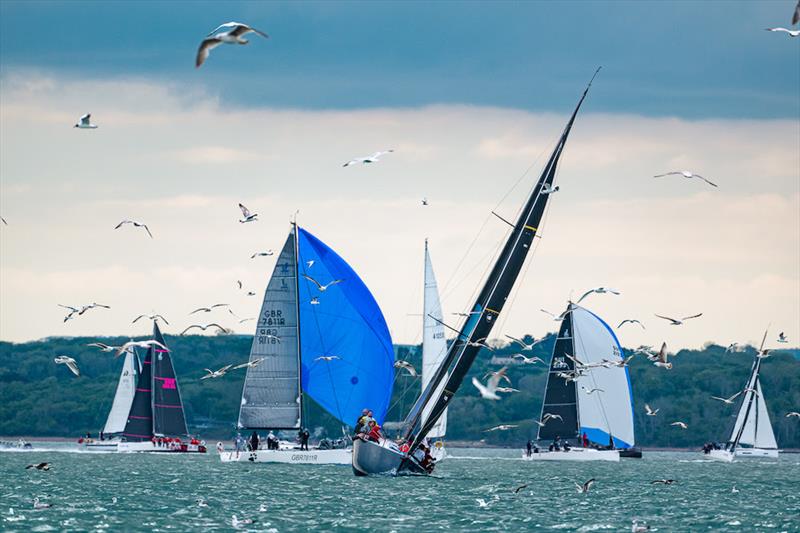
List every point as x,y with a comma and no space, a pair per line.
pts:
434,344
607,412
757,431
126,388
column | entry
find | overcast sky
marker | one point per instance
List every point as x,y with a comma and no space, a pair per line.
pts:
470,95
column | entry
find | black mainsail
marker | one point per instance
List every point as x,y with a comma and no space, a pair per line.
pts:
561,395
168,416
140,418
490,301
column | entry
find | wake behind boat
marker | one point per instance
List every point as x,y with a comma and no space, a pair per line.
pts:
331,345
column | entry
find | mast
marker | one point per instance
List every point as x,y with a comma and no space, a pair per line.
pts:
490,300
300,397
747,404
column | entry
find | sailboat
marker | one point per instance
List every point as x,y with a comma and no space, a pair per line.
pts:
385,456
118,415
156,421
434,350
586,395
320,335
752,435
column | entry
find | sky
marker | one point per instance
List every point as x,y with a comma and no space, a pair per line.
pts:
471,96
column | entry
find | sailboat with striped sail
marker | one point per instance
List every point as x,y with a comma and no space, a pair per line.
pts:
331,345
385,456
156,421
752,435
121,406
434,350
587,412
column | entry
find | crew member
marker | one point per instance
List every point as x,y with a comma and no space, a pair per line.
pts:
254,441
585,440
529,447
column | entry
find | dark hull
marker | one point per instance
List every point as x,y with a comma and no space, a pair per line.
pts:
631,453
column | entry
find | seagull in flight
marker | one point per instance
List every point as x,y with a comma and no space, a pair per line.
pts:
314,300
85,123
548,417
407,366
220,329
782,338
649,410
686,174
4,221
519,488
235,35
139,344
424,201
681,425
792,33
479,344
590,391
262,254
663,481
39,466
502,427
598,290
70,362
208,309
327,358
248,217
557,318
154,318
793,413
489,391
80,311
135,224
549,189
630,321
213,374
749,389
103,347
467,314
727,400
660,359
525,346
583,489
679,322
374,158
321,287
250,364
529,360
731,347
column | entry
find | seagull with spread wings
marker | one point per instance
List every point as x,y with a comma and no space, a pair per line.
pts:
790,33
727,400
524,345
630,321
213,374
679,424
85,123
220,329
489,391
320,286
528,360
139,344
407,366
502,427
327,358
599,290
154,318
248,217
649,411
209,308
70,362
374,158
686,174
135,224
679,321
549,189
250,364
262,254
234,35
583,489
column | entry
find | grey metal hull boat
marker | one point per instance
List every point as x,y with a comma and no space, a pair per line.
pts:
385,458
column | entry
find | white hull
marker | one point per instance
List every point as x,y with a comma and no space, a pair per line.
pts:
575,454
756,453
149,447
297,457
719,455
100,445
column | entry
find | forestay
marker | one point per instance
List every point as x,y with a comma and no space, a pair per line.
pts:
118,416
271,396
346,349
434,343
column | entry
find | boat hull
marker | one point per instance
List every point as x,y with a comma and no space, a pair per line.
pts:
149,447
371,458
575,454
719,455
755,453
297,457
100,445
631,453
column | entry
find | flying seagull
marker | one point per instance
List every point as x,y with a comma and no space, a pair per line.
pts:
557,318
583,489
39,466
590,391
660,359
678,322
598,290
731,347
4,221
686,174
782,337
663,481
248,217
649,411
681,425
407,366
220,329
103,347
502,427
727,400
374,158
528,360
793,413
489,391
321,287
480,343
85,123
235,35
135,224
424,201
327,358
519,488
792,33
216,373
262,254
314,300
154,318
548,417
139,344
630,321
754,391
549,189
239,283
250,364
523,344
209,308
70,362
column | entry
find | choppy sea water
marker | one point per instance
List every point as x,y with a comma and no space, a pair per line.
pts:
159,493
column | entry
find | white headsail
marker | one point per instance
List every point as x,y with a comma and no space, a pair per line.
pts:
118,416
757,431
434,344
608,411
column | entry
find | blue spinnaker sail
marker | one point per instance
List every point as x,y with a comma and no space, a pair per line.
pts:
346,349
